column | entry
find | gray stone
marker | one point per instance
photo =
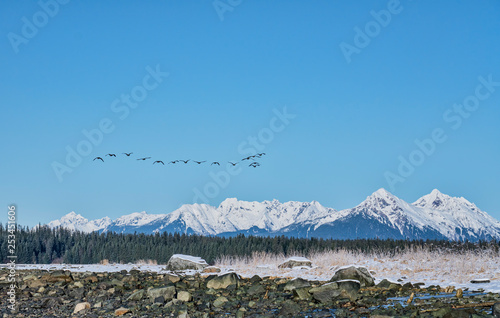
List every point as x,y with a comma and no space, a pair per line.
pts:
302,293
179,262
349,288
360,274
296,283
295,262
290,309
256,290
184,296
224,281
167,293
219,302
496,310
136,296
326,293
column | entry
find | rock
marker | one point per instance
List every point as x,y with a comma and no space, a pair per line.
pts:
290,309
184,296
36,283
296,283
388,284
360,274
496,310
295,262
211,269
173,278
180,262
167,293
224,281
349,288
81,306
325,293
136,296
57,277
302,293
255,279
78,284
480,281
219,302
442,312
121,311
256,290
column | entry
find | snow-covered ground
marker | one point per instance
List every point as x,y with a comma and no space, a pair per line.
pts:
431,268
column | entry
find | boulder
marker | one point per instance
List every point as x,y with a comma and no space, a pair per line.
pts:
81,306
302,293
289,309
325,293
180,262
496,310
349,288
224,281
219,302
167,293
360,274
295,262
136,296
296,283
211,269
184,296
121,311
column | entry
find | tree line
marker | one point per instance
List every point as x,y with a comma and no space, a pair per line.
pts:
43,245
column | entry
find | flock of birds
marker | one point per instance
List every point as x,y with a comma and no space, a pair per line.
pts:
254,164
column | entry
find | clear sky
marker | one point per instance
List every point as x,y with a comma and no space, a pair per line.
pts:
362,80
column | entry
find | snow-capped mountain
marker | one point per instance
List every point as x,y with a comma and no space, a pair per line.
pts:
382,215
76,222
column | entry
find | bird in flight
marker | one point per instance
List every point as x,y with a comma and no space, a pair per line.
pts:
215,163
159,161
127,153
254,164
111,155
247,158
98,158
185,161
145,158
174,162
234,164
198,162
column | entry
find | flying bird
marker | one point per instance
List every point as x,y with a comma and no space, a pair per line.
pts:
247,158
127,153
174,162
111,155
234,164
185,161
198,162
159,161
215,163
254,164
261,154
98,158
145,158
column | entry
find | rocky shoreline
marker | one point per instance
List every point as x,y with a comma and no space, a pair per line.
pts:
350,293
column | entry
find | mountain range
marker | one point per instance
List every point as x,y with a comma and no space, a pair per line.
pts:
381,215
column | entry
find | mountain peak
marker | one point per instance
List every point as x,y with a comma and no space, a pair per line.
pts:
382,193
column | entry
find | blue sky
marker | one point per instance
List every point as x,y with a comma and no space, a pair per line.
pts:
231,68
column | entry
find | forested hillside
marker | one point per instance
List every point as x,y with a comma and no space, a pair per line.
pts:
45,245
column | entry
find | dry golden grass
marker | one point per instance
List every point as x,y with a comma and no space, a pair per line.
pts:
414,264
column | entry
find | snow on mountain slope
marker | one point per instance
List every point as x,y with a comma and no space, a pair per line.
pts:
458,218
76,222
380,215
